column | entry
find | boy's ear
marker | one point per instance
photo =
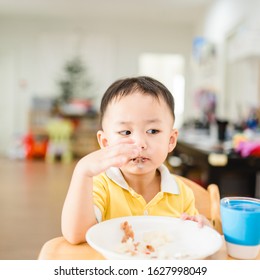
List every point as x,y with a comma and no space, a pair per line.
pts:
173,140
102,140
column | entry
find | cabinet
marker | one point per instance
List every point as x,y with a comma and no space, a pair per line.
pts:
83,139
236,176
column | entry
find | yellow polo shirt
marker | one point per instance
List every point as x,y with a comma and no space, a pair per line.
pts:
114,198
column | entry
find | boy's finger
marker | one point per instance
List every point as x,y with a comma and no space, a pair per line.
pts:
128,150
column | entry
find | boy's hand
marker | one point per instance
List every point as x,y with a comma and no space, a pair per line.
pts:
200,219
111,156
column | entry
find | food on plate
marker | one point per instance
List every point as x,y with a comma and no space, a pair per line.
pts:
149,245
128,231
153,237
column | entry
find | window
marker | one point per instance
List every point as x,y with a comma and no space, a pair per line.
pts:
168,69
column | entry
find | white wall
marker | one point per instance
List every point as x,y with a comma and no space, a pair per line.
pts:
221,19
33,52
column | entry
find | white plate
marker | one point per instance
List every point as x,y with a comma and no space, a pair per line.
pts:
188,240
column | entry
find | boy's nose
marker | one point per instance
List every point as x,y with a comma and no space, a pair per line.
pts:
140,142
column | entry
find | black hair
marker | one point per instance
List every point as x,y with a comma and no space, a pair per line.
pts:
142,84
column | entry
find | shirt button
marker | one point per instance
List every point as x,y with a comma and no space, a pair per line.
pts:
145,212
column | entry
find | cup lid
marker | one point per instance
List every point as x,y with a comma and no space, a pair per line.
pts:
248,204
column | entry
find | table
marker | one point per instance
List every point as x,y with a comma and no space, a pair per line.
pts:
234,175
59,249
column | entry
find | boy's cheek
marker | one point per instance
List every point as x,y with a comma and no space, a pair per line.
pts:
113,140
107,140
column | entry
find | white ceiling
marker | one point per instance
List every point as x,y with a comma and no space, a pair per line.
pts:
182,11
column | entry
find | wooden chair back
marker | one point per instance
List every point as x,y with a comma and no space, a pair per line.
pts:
207,201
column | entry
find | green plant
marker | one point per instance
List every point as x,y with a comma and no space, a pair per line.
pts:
75,82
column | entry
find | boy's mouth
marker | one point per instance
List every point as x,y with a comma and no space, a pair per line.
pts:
139,160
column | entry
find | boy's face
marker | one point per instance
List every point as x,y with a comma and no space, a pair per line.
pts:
145,120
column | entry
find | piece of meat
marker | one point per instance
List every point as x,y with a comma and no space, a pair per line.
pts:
128,231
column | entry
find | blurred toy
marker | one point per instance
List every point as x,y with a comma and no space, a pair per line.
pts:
17,148
246,146
35,146
59,131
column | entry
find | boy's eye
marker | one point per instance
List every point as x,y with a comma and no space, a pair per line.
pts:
125,132
152,131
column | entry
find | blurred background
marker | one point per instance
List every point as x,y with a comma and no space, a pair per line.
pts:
57,57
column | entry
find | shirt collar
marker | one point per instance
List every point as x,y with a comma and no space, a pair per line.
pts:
168,182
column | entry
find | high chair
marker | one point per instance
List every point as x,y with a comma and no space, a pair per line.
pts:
207,201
